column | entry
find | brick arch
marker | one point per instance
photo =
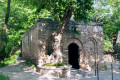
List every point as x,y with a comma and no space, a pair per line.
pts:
67,43
90,52
94,41
72,40
90,41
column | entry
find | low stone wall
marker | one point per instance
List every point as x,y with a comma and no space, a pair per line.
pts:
63,71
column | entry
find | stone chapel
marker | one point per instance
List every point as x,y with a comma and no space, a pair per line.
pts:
81,45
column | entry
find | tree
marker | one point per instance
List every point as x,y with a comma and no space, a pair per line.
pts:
3,31
108,12
58,10
21,18
6,22
62,11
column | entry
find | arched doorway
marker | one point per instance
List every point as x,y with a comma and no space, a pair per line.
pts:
73,55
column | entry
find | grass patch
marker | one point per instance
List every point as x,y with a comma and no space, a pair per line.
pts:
56,64
29,63
4,77
8,61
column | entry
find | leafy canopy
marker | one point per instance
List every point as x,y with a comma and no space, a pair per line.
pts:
21,18
108,12
24,13
57,8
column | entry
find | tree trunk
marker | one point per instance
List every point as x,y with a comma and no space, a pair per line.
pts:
58,37
4,29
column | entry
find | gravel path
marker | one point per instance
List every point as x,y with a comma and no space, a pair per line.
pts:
20,71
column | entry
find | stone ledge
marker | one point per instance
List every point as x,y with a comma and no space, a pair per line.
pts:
62,71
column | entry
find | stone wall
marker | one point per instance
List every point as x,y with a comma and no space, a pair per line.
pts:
89,38
30,44
90,41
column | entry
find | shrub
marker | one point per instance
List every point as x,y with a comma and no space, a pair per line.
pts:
118,51
6,49
29,63
18,52
108,46
105,66
3,77
8,61
118,47
55,64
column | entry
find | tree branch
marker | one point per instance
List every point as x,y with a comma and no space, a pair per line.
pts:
66,18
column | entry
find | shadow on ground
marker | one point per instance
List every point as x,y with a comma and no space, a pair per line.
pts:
21,71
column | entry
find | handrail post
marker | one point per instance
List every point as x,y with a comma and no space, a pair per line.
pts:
95,68
112,71
97,72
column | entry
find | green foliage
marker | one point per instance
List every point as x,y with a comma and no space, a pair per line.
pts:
6,49
29,63
108,12
8,61
4,77
24,13
75,31
108,46
118,48
57,8
18,53
105,66
21,19
56,64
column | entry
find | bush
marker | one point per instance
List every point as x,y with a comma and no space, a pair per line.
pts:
105,66
118,51
29,63
8,61
118,47
6,49
108,46
18,53
55,64
3,77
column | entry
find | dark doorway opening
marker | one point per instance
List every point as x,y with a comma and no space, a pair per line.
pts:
73,55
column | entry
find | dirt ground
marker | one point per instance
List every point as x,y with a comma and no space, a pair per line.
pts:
21,71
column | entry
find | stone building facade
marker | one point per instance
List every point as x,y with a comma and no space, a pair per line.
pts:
81,45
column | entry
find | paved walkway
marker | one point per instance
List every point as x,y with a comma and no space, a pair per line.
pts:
20,71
